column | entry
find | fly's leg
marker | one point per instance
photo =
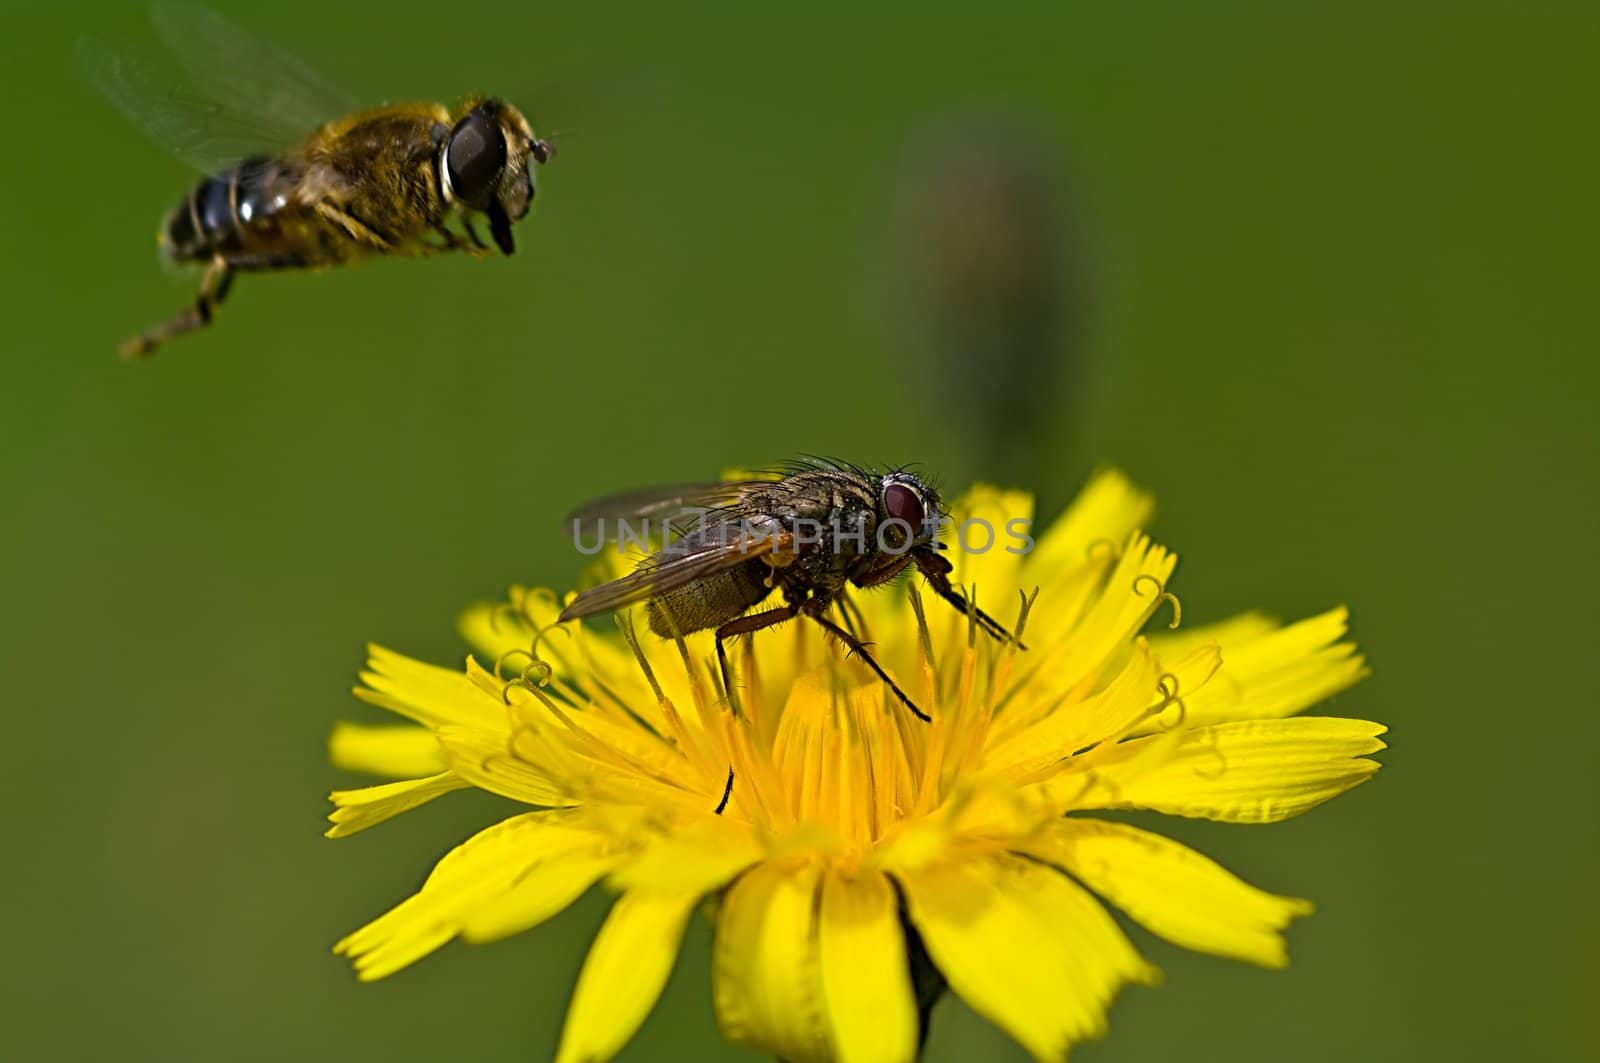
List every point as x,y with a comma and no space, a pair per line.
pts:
850,612
214,287
992,627
745,625
860,649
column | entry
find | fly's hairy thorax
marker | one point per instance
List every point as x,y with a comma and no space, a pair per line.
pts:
837,508
827,521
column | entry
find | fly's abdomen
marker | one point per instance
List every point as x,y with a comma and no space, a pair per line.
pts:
709,602
227,213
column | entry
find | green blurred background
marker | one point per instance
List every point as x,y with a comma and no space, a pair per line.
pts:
1324,280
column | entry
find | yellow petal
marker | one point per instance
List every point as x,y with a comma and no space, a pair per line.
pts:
1024,947
982,550
495,628
695,859
484,883
1108,509
1234,631
510,628
427,693
1181,677
1076,646
543,891
399,751
356,810
622,977
1107,715
865,978
1253,771
1172,890
1280,672
484,759
767,969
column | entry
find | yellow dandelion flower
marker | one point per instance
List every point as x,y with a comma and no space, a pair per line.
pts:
856,854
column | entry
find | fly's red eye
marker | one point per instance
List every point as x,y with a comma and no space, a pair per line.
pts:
903,504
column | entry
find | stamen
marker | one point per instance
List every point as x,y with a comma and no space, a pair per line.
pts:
540,632
1216,752
883,782
1113,550
1022,613
750,695
727,792
523,681
923,634
501,610
695,687
499,662
518,608
548,702
680,735
589,744
1168,685
726,683
854,618
1093,780
625,625
1165,596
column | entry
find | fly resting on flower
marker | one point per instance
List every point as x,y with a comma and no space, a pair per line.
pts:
812,533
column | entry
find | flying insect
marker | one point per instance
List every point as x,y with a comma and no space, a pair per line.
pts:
300,178
812,534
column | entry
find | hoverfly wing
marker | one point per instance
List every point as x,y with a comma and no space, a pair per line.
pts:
258,101
176,117
245,73
676,506
715,549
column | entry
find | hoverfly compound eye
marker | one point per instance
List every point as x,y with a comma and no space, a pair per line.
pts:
474,159
902,503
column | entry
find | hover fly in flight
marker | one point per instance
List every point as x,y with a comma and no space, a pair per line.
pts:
298,177
812,534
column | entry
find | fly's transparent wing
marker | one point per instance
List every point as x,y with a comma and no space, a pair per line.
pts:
220,97
245,73
636,513
718,549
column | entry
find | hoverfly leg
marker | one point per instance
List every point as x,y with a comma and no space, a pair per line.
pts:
745,625
451,240
479,246
352,225
859,648
214,287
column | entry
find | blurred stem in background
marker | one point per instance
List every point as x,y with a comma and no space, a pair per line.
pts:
989,294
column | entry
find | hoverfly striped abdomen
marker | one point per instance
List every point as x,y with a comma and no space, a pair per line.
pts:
222,212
